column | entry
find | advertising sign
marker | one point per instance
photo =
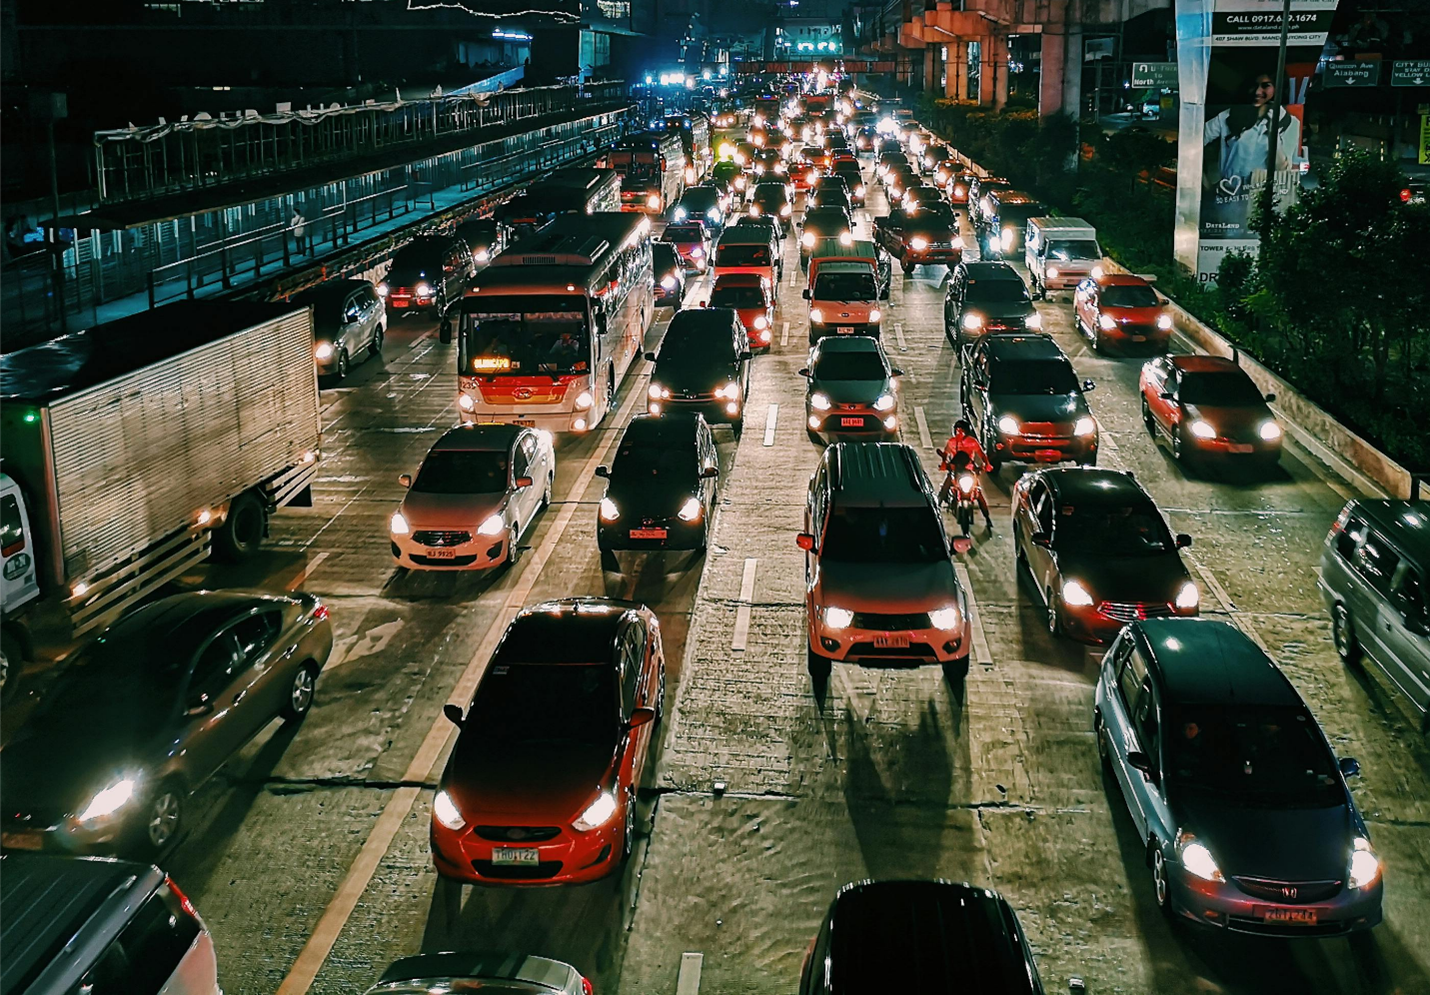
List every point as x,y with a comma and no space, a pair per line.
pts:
1359,74
1258,22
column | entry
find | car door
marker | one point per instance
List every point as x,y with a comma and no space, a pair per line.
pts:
212,720
1377,561
350,328
1133,686
371,313
1405,631
523,464
1042,564
1083,297
636,692
978,403
268,668
1162,398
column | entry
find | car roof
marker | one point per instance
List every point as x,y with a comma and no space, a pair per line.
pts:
1406,523
1120,280
181,619
876,474
1204,661
330,293
47,900
1011,198
1095,485
479,438
702,320
991,271
563,630
1205,364
847,343
740,280
1017,347
484,964
936,936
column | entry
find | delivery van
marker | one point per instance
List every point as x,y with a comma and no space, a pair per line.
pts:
1060,253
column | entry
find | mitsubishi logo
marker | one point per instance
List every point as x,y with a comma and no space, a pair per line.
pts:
522,393
1288,892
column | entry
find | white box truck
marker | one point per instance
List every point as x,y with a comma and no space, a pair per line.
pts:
1060,253
133,448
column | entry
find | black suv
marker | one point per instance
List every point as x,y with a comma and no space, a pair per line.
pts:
822,222
986,297
703,365
428,273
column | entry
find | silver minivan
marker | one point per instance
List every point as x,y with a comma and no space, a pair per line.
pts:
1373,577
91,924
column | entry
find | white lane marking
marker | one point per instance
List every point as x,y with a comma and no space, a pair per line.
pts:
419,340
975,621
899,334
687,982
307,571
1108,446
784,334
1237,617
770,419
742,614
340,907
925,439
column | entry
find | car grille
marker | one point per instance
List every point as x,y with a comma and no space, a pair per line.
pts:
517,834
1133,611
433,537
1032,431
852,407
538,872
913,653
1306,892
890,623
447,561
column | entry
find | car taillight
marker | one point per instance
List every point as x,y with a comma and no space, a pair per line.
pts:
1341,519
320,612
586,988
184,902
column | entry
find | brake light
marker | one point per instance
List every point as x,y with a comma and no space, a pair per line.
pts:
586,988
320,612
184,902
1341,519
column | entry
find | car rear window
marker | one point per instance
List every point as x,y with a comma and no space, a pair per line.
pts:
529,703
684,233
743,254
884,535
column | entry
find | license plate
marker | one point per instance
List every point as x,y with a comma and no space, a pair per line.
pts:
892,641
1300,917
1138,338
844,329
1048,455
649,533
397,301
21,841
855,422
442,554
515,856
1239,447
525,422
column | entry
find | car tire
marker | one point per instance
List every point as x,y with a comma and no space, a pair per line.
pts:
242,530
1104,751
660,696
343,365
1054,617
738,428
513,551
300,693
1161,886
374,348
162,820
546,494
1343,632
819,666
907,266
609,561
1148,422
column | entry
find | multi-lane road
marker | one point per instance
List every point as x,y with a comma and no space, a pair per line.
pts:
308,855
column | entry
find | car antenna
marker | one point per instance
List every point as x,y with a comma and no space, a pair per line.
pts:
1236,355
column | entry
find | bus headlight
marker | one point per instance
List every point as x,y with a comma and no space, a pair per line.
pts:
584,400
465,402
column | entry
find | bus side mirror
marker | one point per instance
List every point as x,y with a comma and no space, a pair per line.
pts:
444,333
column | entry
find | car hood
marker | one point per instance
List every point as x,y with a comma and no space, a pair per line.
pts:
1040,407
1155,578
694,376
1002,310
450,511
850,391
1231,421
1294,844
55,767
888,588
1133,315
651,497
539,783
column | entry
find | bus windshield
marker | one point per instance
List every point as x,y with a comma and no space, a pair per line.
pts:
526,336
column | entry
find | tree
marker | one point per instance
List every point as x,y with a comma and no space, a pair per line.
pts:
1135,150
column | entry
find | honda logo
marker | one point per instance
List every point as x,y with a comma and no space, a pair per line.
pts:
522,393
1288,892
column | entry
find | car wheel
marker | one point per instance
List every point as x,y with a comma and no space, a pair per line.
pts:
1055,619
819,666
300,693
163,818
1148,422
546,494
513,552
907,265
628,835
1161,889
1343,630
375,347
343,364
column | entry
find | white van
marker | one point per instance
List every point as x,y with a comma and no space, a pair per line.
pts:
843,300
1060,253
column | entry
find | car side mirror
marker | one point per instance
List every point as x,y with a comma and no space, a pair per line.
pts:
444,333
640,717
454,714
804,371
1350,767
1167,395
1138,760
202,705
1270,397
710,473
650,356
896,372
805,541
1183,540
1088,385
603,471
1042,539
522,483
405,479
747,354
805,294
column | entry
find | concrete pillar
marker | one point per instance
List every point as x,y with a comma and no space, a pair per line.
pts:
985,70
1072,70
955,66
999,64
1050,81
930,76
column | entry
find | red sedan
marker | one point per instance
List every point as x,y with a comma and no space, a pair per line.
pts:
1209,408
1120,309
692,242
752,297
540,787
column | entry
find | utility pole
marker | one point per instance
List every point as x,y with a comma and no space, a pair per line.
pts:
1276,114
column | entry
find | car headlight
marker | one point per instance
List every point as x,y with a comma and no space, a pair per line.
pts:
109,800
1076,595
1007,236
1270,431
754,210
424,290
1097,272
697,253
1365,865
669,282
884,402
444,810
1106,322
1164,322
739,183
466,402
807,240
492,526
657,392
730,391
323,350
1034,321
690,510
1052,272
819,401
399,525
1196,859
653,202
1202,429
972,322
382,290
1188,597
482,255
945,618
837,618
597,814
584,400
1084,426
609,511
918,243
816,316
761,322
785,211
1008,425
959,190
859,190
713,214
680,213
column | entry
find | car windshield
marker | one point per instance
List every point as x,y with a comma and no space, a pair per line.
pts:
684,233
768,199
742,254
844,287
1075,248
1017,215
832,197
576,702
884,535
997,291
1259,755
1112,530
1034,376
825,219
462,471
635,461
1219,389
415,262
737,297
1128,295
849,366
538,335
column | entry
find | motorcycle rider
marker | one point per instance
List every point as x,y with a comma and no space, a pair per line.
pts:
960,452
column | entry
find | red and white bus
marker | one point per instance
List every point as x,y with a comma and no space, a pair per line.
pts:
652,168
547,332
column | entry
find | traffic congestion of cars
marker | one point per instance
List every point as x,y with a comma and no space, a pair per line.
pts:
1240,802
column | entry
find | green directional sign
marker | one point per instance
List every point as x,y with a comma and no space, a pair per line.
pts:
1410,72
1156,74
1359,74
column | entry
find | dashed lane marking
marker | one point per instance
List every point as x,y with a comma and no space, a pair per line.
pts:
975,621
899,334
742,614
784,334
770,419
925,440
687,982
307,571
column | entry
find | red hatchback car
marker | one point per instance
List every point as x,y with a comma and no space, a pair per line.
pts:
692,242
540,787
1208,408
1120,309
751,295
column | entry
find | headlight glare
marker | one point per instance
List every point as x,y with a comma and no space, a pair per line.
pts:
1270,431
584,400
972,322
1106,322
884,402
819,401
609,511
399,524
597,814
918,243
690,510
1364,866
323,350
1085,426
1008,425
1164,322
109,800
838,618
1034,321
1076,595
1197,860
492,526
816,316
875,315
1188,597
1203,429
444,810
945,618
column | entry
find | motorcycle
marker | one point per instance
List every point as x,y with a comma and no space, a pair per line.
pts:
963,491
